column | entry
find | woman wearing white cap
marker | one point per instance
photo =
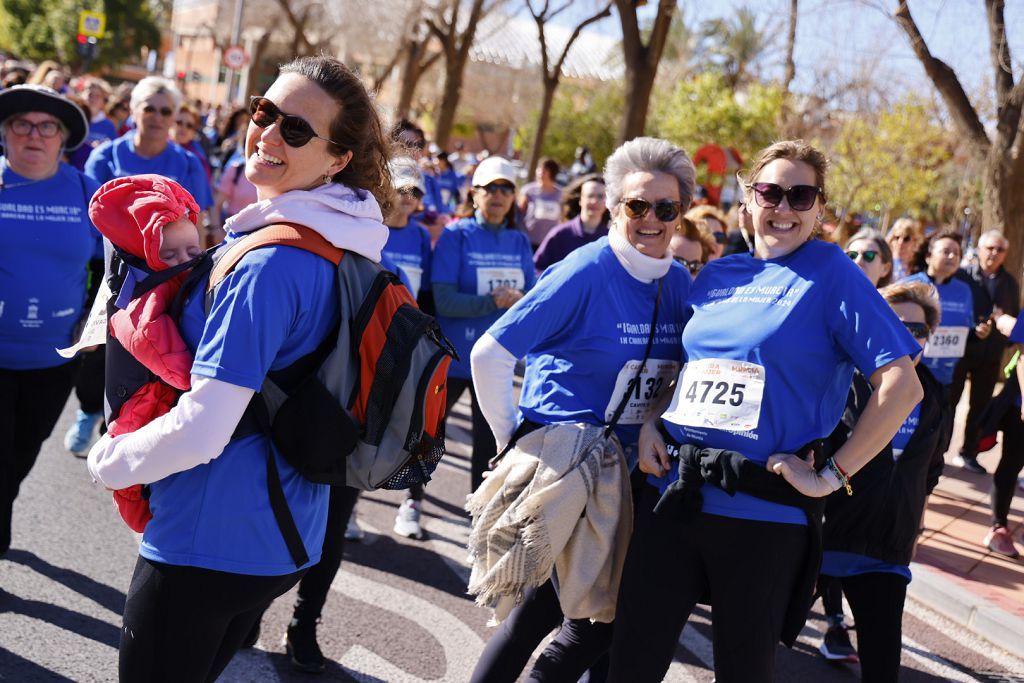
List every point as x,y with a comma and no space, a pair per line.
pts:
46,245
482,265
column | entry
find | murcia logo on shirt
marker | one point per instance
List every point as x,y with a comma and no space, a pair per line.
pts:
31,319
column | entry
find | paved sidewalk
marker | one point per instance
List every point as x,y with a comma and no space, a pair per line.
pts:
953,572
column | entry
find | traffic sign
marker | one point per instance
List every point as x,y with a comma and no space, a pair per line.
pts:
92,23
235,57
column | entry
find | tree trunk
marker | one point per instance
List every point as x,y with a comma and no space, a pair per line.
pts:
410,79
639,84
1003,208
641,62
543,119
449,102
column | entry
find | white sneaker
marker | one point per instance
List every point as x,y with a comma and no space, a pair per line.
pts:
407,521
354,532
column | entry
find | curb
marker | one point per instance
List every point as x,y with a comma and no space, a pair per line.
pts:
952,596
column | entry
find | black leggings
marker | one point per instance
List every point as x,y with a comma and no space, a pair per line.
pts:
1004,481
184,624
750,569
577,646
984,373
317,582
484,446
89,381
30,405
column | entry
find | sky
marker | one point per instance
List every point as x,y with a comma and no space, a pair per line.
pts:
845,34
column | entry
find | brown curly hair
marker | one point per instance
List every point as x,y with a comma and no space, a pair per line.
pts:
356,128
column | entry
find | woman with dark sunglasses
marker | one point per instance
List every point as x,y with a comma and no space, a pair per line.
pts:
149,147
868,249
869,538
593,359
481,266
904,237
771,349
213,557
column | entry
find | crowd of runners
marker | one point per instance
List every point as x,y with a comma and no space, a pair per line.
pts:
741,406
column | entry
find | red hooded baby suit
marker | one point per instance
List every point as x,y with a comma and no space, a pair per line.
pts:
132,213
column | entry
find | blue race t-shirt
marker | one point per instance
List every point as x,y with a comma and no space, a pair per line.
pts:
101,131
839,564
409,249
477,261
117,159
948,342
449,184
583,330
906,430
275,307
771,350
46,243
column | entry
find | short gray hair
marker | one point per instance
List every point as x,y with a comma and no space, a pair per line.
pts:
995,234
649,155
155,85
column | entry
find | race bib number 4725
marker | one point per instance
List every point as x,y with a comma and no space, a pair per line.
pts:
713,393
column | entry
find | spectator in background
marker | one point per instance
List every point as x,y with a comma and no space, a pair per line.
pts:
540,202
50,74
711,219
119,108
97,94
740,240
186,125
904,238
233,193
232,137
583,164
583,207
449,182
691,247
991,287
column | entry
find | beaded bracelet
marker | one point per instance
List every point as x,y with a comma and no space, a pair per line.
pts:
844,479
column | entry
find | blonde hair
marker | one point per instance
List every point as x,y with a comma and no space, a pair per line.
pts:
793,150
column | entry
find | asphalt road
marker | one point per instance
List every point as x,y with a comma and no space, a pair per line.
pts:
397,612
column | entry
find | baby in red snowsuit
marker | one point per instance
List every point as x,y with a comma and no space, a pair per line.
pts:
152,218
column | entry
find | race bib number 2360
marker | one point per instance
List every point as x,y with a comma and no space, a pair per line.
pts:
718,394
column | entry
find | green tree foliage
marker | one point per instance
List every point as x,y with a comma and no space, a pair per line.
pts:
580,115
893,162
46,29
735,44
705,109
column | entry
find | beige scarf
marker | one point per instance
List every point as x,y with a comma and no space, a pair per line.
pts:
559,500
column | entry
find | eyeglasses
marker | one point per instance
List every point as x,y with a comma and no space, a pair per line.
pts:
495,188
997,249
24,127
693,266
665,210
901,238
165,112
184,124
917,330
295,130
411,191
869,255
769,195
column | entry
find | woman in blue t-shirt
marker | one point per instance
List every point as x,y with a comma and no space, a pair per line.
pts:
213,556
770,351
46,244
936,263
584,331
482,265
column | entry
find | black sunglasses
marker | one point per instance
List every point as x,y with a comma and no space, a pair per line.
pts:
494,188
184,124
769,195
693,266
869,255
164,111
665,210
295,130
413,191
917,330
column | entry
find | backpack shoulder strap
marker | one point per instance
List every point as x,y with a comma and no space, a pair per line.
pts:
286,234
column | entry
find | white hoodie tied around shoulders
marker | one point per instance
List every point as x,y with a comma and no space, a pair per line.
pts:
199,427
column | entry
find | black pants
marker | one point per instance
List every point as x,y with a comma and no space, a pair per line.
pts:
750,569
89,381
877,602
831,589
317,582
1004,481
577,646
984,373
30,404
184,624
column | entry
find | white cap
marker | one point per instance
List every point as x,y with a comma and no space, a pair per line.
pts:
494,168
405,172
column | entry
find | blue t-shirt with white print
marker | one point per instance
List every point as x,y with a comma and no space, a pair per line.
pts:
583,330
771,350
276,306
409,249
946,345
46,243
477,261
117,158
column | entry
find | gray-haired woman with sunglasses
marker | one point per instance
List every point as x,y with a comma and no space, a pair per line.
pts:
593,359
771,349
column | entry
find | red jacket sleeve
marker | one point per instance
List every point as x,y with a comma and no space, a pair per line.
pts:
149,334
